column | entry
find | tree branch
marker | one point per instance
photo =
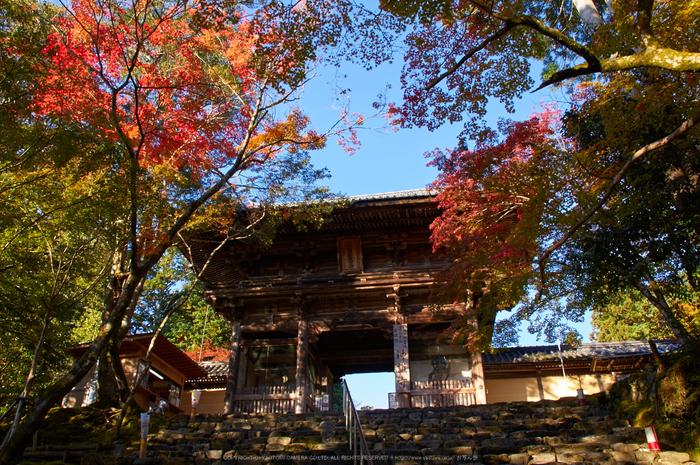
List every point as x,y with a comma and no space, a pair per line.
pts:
644,12
683,128
497,35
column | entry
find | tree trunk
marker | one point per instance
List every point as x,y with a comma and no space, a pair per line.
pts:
661,365
107,393
658,300
121,383
11,451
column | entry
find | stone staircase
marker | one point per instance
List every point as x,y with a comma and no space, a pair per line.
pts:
516,433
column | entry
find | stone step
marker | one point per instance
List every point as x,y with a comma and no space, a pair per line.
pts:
560,432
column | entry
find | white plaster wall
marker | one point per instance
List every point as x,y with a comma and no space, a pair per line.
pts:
545,388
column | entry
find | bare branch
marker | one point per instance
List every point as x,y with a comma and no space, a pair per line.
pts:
497,35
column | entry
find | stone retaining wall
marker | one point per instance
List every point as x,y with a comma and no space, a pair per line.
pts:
558,432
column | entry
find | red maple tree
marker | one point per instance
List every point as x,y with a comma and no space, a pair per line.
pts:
495,201
193,102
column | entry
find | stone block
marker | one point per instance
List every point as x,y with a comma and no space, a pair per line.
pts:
486,424
256,447
296,448
262,423
425,430
645,455
461,450
461,443
623,456
578,448
283,440
430,444
607,439
570,458
543,458
406,446
379,447
597,456
499,442
275,447
671,456
622,447
239,423
495,459
538,449
554,440
387,430
527,442
256,441
237,434
307,440
519,459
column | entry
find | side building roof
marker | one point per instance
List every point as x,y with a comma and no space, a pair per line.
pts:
597,357
164,349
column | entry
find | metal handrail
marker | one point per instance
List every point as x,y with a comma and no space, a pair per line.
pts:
352,424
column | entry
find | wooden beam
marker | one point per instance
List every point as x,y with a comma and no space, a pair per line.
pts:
302,366
287,341
285,396
348,356
234,362
402,370
478,378
438,392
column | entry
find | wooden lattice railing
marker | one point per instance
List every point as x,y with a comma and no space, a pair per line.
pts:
265,399
444,393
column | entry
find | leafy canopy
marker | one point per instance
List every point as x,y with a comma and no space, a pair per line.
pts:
541,212
184,112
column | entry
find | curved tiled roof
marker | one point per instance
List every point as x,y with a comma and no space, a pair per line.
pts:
394,195
582,352
216,372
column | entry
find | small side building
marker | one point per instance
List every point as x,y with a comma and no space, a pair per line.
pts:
550,372
170,369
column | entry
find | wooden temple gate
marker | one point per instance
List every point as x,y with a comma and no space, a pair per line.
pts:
349,297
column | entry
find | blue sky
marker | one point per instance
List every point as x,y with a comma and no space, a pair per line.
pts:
387,161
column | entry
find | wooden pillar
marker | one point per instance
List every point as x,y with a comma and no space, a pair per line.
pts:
302,366
478,378
234,362
329,390
402,371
